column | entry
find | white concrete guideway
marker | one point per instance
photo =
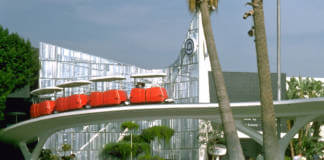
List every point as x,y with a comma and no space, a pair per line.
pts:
303,110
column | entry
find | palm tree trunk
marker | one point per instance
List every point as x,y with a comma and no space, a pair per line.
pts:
301,134
270,139
232,141
316,126
291,145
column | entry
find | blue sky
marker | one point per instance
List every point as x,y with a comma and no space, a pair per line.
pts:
149,33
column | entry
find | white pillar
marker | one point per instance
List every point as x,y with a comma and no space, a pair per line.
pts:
203,63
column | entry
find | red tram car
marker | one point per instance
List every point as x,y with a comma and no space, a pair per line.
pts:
141,95
72,102
113,97
45,107
109,97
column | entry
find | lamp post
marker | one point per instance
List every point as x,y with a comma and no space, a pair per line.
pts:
278,51
131,145
278,66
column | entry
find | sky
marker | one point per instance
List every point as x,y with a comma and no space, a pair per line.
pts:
150,33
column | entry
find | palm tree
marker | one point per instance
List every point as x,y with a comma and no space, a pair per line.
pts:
232,141
305,88
270,139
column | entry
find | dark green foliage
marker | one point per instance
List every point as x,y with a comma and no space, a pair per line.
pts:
287,158
310,146
129,125
160,132
135,138
70,157
119,150
215,140
19,65
46,154
308,142
122,150
139,148
65,148
304,88
140,143
149,157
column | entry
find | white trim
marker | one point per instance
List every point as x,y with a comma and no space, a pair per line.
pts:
74,84
48,90
108,78
148,75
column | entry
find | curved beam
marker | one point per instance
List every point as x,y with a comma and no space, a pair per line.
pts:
298,124
252,133
30,129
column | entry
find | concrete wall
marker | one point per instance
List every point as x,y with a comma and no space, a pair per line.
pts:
244,86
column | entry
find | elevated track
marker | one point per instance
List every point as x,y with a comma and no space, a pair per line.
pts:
42,127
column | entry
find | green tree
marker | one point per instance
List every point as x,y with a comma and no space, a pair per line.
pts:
129,125
309,145
19,65
304,88
232,141
308,137
149,157
46,154
137,145
66,148
270,139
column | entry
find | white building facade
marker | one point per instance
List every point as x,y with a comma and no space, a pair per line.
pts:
186,82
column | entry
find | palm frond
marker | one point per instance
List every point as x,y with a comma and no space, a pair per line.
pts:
192,5
213,5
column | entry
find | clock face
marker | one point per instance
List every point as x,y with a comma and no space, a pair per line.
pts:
189,46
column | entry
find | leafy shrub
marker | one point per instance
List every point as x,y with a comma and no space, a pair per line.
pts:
141,143
118,150
129,125
149,157
46,154
160,132
135,138
122,150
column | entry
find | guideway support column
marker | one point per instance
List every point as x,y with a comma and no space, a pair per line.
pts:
252,133
36,151
284,141
299,123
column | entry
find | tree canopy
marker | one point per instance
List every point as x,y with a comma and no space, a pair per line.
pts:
304,88
137,145
19,65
